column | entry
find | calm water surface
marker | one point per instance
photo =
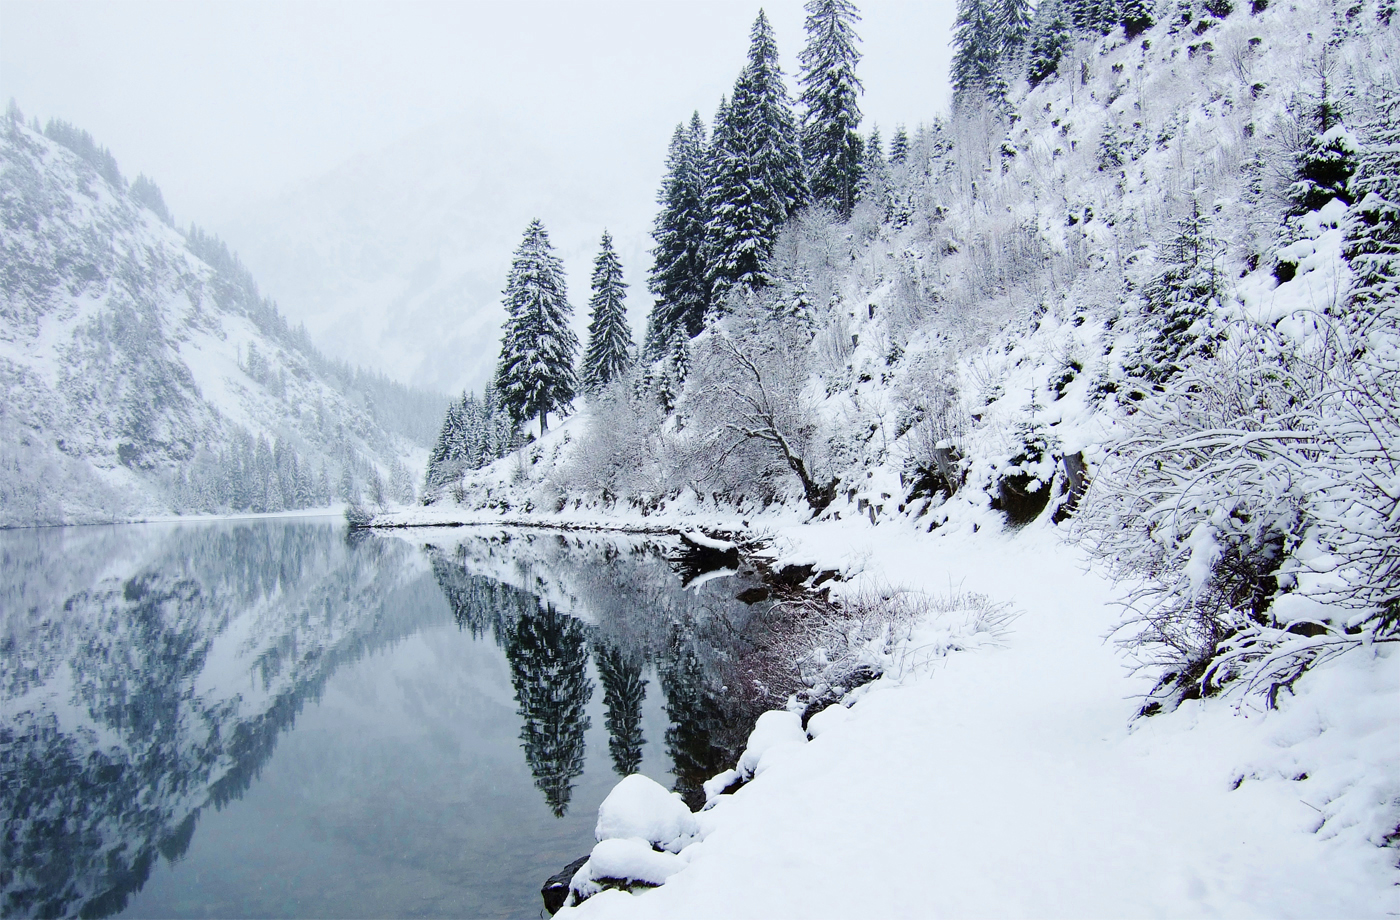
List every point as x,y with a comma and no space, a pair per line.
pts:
279,719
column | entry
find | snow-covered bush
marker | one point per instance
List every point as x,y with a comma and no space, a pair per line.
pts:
752,419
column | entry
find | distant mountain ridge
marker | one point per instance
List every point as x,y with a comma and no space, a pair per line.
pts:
143,372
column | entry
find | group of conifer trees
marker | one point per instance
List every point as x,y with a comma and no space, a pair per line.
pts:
723,201
996,41
725,198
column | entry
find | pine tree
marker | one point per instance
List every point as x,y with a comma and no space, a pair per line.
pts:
899,145
1135,17
1014,24
624,690
1323,169
1372,245
1180,299
831,117
977,54
1094,17
535,374
678,276
1049,40
609,351
757,179
548,658
875,176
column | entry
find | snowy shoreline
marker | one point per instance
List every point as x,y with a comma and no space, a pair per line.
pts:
1005,771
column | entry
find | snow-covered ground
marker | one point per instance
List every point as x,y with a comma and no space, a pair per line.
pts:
1012,780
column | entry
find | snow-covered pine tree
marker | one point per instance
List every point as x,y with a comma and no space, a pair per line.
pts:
442,450
1049,40
831,113
1135,17
1094,17
1323,168
899,145
875,176
677,277
535,374
757,180
1014,24
1181,297
977,55
1373,228
609,351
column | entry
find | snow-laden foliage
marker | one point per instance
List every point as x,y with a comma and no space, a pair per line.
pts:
831,143
609,351
535,374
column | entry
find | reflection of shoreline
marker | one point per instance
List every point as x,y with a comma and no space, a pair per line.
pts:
120,732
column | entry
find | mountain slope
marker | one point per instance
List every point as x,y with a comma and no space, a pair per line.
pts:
140,366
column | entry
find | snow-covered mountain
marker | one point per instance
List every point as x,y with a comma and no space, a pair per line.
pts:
144,373
400,256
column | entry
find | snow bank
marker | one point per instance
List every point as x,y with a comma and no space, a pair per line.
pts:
1011,780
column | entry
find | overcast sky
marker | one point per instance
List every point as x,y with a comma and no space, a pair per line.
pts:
228,104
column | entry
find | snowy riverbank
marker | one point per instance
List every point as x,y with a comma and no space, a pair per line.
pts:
1008,777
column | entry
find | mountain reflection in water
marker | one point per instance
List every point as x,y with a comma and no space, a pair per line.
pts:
277,718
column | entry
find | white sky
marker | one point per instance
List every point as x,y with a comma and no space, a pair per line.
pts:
228,104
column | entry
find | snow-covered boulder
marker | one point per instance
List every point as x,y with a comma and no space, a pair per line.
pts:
773,735
639,807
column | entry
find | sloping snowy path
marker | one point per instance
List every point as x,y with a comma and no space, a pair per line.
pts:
1008,781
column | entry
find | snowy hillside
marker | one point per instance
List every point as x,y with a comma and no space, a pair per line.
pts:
142,371
1139,314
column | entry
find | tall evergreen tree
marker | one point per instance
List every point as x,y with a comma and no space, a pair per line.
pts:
1014,25
757,178
624,689
1180,299
548,655
875,176
831,141
899,145
1049,40
977,54
678,276
1372,245
535,374
609,351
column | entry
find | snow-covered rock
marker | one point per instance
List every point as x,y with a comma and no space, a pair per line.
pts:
640,807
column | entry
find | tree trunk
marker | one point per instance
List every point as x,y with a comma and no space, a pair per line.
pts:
544,421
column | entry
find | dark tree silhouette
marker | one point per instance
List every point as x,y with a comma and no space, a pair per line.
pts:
548,655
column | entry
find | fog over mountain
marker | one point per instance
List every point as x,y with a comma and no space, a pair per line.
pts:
374,165
398,257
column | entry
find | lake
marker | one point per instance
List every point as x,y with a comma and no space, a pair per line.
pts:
282,718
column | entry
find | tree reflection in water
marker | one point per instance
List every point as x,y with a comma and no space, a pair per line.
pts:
624,691
150,672
548,654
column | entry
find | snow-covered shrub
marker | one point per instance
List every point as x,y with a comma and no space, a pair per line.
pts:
836,645
627,448
1254,506
747,405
